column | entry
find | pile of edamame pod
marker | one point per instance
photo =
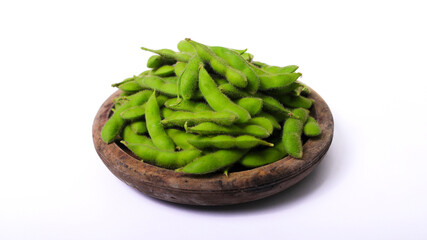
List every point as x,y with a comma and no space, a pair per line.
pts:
207,109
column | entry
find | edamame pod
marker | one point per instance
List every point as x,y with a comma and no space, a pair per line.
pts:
179,118
270,81
257,158
295,101
130,136
163,158
251,104
232,92
179,68
218,101
186,105
213,161
263,122
155,129
164,71
124,81
209,128
312,128
271,118
188,80
269,103
184,46
292,131
169,54
236,61
166,112
133,112
279,80
180,138
227,142
219,65
131,86
157,61
137,112
113,125
272,105
158,84
138,127
275,69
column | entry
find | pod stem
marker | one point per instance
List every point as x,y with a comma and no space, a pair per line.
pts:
124,142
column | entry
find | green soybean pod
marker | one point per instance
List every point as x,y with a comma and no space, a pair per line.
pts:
130,136
272,105
279,80
284,90
213,161
186,105
169,54
258,158
220,80
180,138
133,113
218,101
227,142
184,46
219,65
263,122
312,128
259,64
119,101
163,158
138,127
170,79
147,72
188,80
114,125
155,129
251,104
232,92
302,89
166,112
158,84
295,101
236,61
292,131
124,81
247,56
179,118
164,71
271,118
209,128
131,86
157,61
137,112
179,68
286,69
258,69
269,81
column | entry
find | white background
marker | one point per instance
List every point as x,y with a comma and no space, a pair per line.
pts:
367,59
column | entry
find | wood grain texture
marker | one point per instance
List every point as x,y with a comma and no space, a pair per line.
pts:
214,189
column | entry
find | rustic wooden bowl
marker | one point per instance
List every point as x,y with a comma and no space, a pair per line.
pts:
214,189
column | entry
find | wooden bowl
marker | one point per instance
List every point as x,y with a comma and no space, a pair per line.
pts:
214,189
